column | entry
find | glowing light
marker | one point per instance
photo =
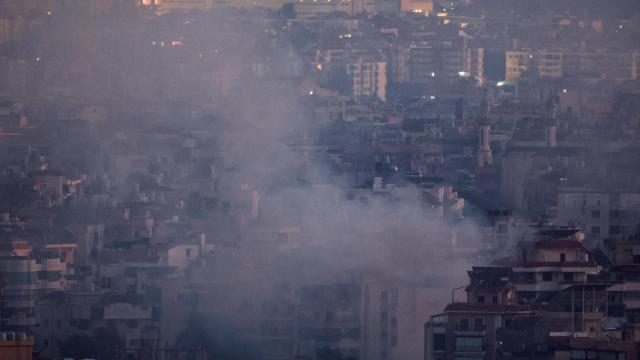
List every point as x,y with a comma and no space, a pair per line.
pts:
564,91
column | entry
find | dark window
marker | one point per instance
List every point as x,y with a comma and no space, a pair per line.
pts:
478,324
563,257
439,342
595,214
530,276
187,252
636,259
464,324
567,276
614,214
595,230
547,276
481,299
494,299
614,230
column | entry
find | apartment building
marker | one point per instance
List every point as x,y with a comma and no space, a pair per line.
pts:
369,79
594,65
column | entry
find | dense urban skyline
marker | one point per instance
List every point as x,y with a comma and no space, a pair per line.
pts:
319,179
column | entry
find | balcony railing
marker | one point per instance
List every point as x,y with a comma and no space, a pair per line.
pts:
469,349
471,328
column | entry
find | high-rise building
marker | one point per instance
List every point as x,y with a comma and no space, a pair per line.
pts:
369,79
485,156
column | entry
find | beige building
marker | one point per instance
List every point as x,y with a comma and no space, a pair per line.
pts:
416,6
183,5
369,78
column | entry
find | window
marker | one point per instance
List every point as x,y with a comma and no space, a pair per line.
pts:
614,214
563,257
480,299
567,276
478,324
464,324
187,252
439,342
595,230
636,259
494,299
595,214
547,276
464,343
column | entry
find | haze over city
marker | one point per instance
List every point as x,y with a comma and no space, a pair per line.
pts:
319,179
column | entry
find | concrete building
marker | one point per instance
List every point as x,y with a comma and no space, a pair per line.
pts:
309,8
183,5
592,65
444,62
551,264
484,155
416,6
467,330
369,79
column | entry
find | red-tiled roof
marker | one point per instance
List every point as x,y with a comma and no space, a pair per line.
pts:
487,308
567,264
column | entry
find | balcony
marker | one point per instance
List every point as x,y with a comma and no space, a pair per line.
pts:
476,350
21,321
